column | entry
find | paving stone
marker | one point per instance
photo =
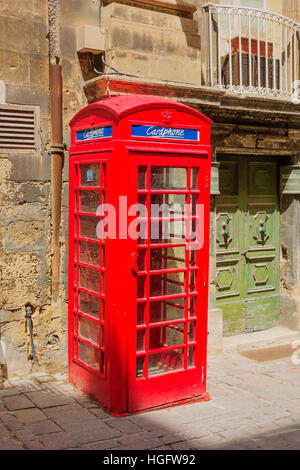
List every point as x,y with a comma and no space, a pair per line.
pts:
10,444
185,445
92,430
100,413
31,415
84,435
7,416
8,392
15,425
17,402
140,445
172,438
46,399
60,440
43,427
104,445
4,432
123,425
193,431
34,445
26,385
151,434
72,412
24,435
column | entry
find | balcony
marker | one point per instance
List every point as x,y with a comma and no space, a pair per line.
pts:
252,51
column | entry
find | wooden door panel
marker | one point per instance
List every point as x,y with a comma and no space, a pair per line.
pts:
262,178
261,274
262,226
247,244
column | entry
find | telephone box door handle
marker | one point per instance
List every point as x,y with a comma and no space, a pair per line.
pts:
133,262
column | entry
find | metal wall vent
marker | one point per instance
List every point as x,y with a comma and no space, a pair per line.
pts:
18,127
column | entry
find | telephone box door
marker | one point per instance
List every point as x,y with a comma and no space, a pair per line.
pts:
168,279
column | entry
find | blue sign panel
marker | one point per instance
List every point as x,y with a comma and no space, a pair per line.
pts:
94,133
164,132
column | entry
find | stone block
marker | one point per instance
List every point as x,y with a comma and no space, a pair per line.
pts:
31,415
22,35
90,39
2,92
25,232
5,169
215,330
43,427
290,311
46,398
14,68
31,95
39,71
17,402
30,167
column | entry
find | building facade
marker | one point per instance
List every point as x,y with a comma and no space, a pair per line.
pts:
237,64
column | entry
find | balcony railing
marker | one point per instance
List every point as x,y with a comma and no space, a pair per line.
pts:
253,51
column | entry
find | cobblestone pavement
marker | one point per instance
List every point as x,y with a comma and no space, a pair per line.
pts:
252,406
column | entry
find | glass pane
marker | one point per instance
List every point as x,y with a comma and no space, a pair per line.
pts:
172,309
102,309
142,177
140,340
190,356
103,175
142,200
89,278
88,329
192,303
89,201
140,287
165,361
75,226
167,258
193,275
89,253
103,283
140,366
103,256
88,355
166,284
194,200
168,178
141,232
102,336
192,257
168,231
102,362
191,331
140,314
141,260
89,227
162,336
88,304
194,178
90,174
168,205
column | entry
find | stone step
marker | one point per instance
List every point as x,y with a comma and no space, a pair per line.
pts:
260,339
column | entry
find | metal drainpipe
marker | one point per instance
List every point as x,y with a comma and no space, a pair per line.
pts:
57,147
29,313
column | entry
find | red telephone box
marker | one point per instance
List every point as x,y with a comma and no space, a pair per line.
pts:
138,252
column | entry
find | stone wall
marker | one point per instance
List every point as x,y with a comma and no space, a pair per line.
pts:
25,245
151,44
25,184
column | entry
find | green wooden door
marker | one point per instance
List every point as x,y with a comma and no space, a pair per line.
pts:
247,237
